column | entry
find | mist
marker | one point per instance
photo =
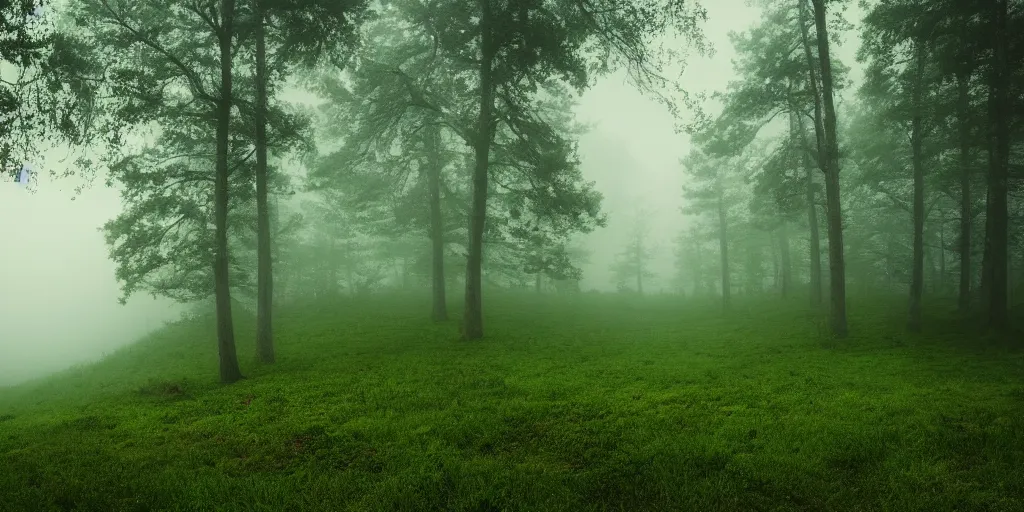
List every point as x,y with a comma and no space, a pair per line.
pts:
495,255
632,154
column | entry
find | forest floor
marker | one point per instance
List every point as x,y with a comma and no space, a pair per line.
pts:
588,403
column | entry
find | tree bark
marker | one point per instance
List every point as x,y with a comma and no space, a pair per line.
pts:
837,266
997,218
440,306
473,322
916,142
265,276
229,370
963,78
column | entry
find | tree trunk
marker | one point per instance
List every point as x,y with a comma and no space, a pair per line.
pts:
815,240
281,290
916,142
229,370
963,120
812,211
837,267
723,247
537,282
440,306
997,218
265,277
473,322
786,260
812,83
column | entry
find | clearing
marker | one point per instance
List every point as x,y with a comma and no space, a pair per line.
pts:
580,403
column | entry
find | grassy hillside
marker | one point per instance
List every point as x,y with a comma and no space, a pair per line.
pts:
589,404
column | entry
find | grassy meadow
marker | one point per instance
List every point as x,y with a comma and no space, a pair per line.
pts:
580,403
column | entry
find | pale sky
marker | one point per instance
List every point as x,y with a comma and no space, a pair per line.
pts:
58,295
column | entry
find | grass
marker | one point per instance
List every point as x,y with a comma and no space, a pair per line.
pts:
592,403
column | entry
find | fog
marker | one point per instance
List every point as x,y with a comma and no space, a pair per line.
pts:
483,255
58,299
58,295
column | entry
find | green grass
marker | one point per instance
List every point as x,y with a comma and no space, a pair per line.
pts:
592,403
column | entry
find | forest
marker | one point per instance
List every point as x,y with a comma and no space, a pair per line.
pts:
375,213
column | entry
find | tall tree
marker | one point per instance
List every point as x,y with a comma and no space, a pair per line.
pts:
714,194
512,58
229,370
306,30
778,77
830,156
997,212
633,262
264,269
165,61
899,77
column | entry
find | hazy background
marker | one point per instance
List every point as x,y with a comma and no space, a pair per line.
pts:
58,295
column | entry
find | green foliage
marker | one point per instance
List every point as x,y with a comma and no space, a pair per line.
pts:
48,97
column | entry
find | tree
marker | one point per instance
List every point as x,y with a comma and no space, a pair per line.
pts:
515,48
996,273
889,29
164,58
52,98
490,99
633,263
229,370
777,77
829,151
308,29
715,192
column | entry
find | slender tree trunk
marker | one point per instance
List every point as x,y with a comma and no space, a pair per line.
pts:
282,289
812,83
997,219
963,120
440,306
815,240
229,370
916,141
812,210
786,260
265,276
837,267
473,322
723,247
